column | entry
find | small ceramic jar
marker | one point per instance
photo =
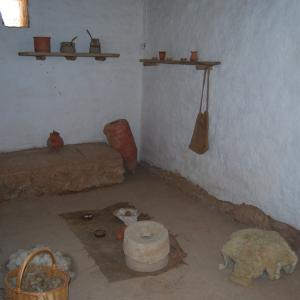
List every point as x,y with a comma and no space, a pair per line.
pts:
162,55
194,56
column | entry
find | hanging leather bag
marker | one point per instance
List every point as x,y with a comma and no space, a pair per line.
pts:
199,141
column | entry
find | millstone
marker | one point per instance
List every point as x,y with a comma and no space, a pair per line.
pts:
146,246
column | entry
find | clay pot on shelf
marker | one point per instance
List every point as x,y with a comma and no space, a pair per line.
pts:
162,55
194,56
42,44
55,142
69,47
95,46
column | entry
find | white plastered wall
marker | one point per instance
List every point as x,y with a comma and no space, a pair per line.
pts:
254,107
74,97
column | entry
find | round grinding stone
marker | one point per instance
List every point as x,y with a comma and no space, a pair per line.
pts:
146,246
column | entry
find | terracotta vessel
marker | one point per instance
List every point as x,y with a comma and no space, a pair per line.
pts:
120,233
120,137
42,44
55,142
194,56
162,55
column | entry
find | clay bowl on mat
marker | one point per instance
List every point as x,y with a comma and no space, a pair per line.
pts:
87,216
100,233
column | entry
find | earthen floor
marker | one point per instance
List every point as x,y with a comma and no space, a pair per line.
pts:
200,230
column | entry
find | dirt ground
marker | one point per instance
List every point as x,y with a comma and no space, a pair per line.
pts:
201,231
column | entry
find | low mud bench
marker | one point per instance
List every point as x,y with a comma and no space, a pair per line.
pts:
75,168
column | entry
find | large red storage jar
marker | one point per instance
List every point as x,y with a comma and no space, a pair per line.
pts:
120,137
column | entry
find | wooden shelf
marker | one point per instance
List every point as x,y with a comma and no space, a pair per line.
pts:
200,65
43,55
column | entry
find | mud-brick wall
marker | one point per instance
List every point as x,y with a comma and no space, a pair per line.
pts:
74,97
254,133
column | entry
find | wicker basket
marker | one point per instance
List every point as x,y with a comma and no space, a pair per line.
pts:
15,293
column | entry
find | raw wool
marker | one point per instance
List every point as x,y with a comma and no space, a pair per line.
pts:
255,251
127,215
37,281
63,261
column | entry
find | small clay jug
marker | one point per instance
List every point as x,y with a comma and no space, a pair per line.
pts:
55,142
162,55
194,56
